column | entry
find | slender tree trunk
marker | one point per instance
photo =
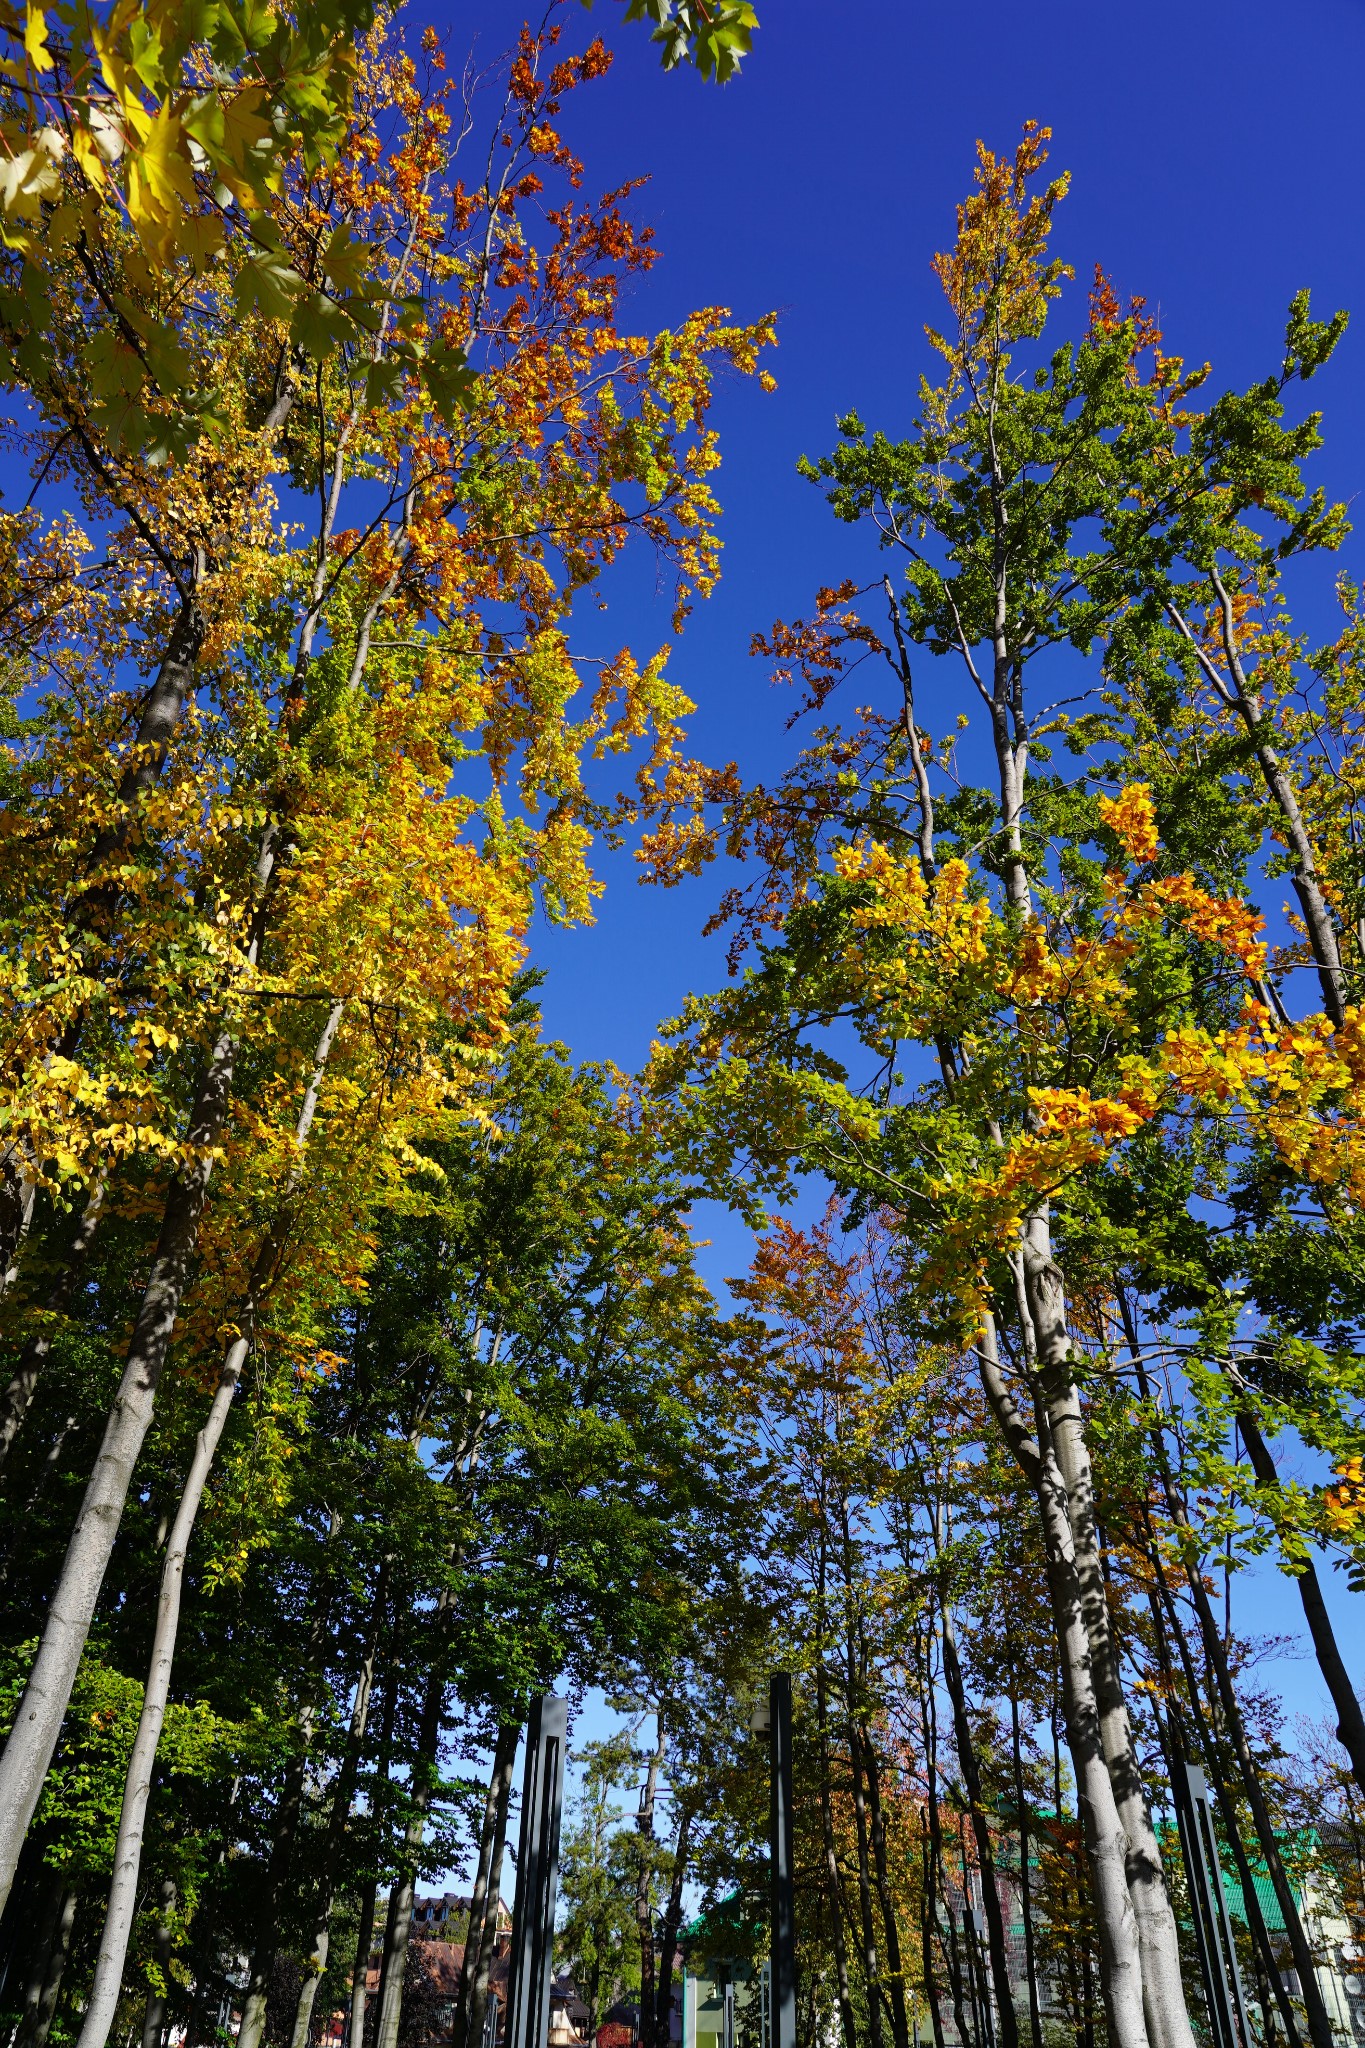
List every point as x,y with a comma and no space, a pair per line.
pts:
1102,1830
1035,2013
671,1927
123,1890
354,2036
38,1719
985,1857
154,2016
355,2023
398,1928
18,1395
834,1885
644,1916
875,1992
287,1817
928,1919
900,2019
1239,693
1168,2022
499,1794
104,1993
1270,1982
40,2001
479,1983
1350,1719
939,1867
338,1819
1319,2025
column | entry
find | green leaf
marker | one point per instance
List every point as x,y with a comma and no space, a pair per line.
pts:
268,284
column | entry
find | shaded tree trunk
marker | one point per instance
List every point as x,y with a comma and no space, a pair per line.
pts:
338,1818
154,2015
1319,2025
900,2021
123,1890
1035,2011
644,1917
1350,1719
17,1398
354,2034
398,1926
833,1882
38,1718
485,1901
45,1982
985,1857
671,1928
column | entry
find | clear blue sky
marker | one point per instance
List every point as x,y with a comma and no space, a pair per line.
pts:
1216,155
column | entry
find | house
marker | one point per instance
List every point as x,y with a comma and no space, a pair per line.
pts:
724,1989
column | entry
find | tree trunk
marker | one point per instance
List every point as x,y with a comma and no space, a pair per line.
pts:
985,1856
40,2000
1270,1982
900,2020
482,1901
1238,691
644,1914
123,1889
671,1928
478,1989
354,2033
338,1818
1035,2011
1350,1719
938,1865
38,1719
928,1918
1101,1824
1319,2025
834,1885
875,1992
398,1927
18,1395
1168,2021
154,2016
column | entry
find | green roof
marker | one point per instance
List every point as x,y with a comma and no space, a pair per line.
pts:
1265,1894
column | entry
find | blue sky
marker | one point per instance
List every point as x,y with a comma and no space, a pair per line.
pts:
1215,154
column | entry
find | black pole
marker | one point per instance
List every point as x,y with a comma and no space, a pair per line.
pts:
1213,1927
783,1900
533,1917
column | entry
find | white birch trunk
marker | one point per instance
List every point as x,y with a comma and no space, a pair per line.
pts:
1106,1843
1168,2021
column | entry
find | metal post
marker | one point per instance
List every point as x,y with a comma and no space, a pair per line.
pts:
1208,1900
533,1915
783,1899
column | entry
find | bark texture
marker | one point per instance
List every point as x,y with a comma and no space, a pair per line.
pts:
38,1719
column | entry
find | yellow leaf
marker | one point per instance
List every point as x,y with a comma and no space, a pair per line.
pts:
35,41
88,156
